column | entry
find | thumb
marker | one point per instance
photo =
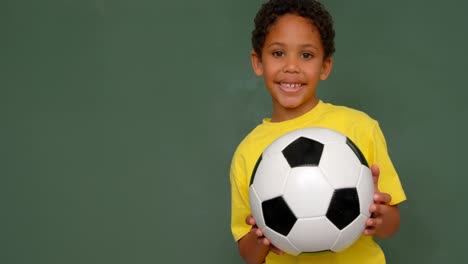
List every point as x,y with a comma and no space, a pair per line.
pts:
375,176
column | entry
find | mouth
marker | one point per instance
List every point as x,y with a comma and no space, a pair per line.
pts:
290,87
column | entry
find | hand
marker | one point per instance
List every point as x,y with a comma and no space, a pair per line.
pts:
379,207
258,234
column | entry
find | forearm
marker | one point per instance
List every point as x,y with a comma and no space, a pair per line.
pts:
252,251
390,222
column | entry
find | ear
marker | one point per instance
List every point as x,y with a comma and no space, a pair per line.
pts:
326,68
256,63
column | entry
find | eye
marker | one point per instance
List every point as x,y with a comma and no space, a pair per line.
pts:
278,54
307,55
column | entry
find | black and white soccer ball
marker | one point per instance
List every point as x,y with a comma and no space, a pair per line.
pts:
310,191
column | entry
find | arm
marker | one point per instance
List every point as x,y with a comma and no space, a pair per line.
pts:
254,247
385,218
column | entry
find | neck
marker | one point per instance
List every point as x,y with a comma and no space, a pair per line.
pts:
281,114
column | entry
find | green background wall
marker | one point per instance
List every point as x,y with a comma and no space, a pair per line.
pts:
118,120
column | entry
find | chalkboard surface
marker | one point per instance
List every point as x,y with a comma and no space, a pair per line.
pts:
119,120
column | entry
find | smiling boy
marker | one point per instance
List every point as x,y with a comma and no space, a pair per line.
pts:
293,44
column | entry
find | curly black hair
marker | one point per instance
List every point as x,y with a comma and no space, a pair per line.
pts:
310,9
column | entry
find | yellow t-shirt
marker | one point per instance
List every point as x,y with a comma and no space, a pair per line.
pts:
357,126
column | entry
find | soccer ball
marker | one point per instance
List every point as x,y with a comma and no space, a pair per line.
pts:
310,191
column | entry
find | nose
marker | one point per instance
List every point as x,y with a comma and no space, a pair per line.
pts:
291,65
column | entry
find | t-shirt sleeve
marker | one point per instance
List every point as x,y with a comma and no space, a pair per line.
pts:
240,207
389,181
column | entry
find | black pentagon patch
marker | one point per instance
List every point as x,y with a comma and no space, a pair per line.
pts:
278,216
255,170
303,152
344,207
357,151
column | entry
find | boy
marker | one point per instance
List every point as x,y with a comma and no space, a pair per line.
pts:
293,44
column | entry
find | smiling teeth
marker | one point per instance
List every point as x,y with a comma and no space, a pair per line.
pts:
291,85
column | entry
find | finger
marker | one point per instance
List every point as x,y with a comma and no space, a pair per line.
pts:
377,210
373,222
375,175
260,241
373,209
382,198
264,241
276,250
369,231
250,220
375,170
257,232
371,226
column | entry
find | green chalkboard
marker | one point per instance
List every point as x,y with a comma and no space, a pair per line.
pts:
118,121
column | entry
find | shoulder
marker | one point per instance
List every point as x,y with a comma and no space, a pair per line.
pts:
346,111
249,141
347,115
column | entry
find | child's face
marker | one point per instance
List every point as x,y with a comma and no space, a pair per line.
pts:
292,64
